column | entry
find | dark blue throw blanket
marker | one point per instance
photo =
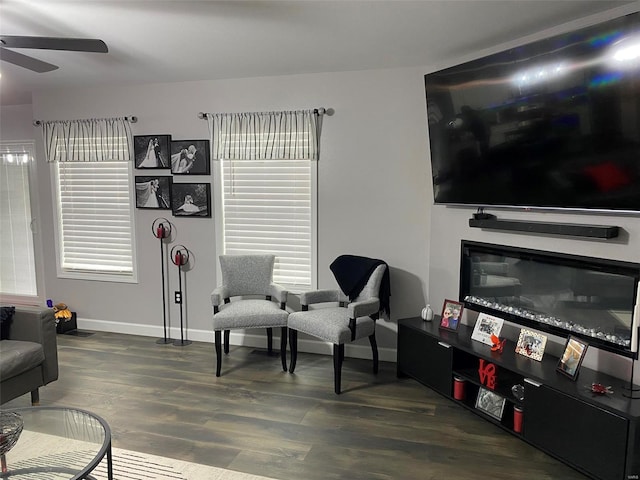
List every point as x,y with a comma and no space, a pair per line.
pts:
352,274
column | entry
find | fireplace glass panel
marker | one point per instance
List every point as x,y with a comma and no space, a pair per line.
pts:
563,294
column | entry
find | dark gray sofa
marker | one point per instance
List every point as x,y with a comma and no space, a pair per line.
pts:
29,357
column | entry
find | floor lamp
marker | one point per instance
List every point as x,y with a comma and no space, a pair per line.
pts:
180,257
161,229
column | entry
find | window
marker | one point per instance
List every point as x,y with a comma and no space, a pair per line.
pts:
269,206
93,185
95,220
17,259
266,170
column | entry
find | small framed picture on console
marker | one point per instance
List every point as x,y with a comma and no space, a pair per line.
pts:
531,344
490,403
571,359
485,327
451,315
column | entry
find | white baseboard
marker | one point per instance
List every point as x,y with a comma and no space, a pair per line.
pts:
308,345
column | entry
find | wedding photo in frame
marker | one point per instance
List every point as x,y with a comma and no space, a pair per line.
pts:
490,403
152,151
190,157
570,361
191,199
153,192
451,315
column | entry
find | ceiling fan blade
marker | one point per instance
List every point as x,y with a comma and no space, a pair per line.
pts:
55,43
24,61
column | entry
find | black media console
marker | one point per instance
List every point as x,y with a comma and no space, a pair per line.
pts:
598,435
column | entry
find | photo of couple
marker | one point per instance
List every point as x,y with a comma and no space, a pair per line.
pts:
153,192
151,151
451,313
190,157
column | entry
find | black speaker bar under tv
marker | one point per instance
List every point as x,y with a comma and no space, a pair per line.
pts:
576,230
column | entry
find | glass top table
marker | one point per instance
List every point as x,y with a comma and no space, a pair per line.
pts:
58,443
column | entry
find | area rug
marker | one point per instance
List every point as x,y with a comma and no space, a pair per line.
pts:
127,465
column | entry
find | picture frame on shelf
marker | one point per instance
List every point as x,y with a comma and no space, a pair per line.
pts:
486,325
490,403
191,199
152,151
451,315
531,344
190,157
571,359
153,192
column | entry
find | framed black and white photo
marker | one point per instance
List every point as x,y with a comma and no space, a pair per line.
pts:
191,199
490,403
190,157
153,192
152,151
574,351
486,325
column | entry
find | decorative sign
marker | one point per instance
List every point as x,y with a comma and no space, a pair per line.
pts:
486,325
487,373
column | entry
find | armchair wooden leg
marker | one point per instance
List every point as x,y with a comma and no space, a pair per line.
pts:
218,341
374,350
283,347
293,346
226,341
35,397
270,340
338,355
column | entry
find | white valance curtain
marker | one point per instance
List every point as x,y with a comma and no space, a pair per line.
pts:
89,161
282,135
90,140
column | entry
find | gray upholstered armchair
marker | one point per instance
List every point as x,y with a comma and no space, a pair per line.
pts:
339,324
246,276
29,357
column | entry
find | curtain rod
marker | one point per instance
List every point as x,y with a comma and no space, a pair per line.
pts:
132,119
318,111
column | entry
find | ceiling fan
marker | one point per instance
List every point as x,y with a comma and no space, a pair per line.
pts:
44,43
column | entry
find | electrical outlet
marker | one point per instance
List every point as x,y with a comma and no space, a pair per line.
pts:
178,297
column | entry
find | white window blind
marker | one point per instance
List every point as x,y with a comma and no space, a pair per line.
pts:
268,207
95,218
17,261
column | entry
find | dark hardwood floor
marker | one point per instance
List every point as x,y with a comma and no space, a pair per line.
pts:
255,418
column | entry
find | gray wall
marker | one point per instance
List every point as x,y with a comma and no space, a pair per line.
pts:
15,123
373,190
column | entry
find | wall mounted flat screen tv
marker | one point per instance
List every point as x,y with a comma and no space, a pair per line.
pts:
551,124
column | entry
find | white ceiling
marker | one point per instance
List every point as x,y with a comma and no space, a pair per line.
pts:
156,41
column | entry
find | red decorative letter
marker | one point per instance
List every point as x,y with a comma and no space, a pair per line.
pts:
487,372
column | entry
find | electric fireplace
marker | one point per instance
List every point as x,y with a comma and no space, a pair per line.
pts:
592,298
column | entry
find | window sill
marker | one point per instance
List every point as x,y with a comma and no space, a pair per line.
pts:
98,277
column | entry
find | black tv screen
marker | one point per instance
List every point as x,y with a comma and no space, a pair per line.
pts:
550,124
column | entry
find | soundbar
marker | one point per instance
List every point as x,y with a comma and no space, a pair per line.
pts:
575,230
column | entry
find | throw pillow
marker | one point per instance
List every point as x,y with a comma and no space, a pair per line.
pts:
6,317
